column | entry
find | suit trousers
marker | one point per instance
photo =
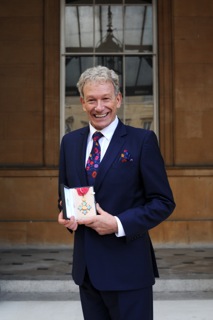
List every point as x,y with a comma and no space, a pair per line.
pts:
115,305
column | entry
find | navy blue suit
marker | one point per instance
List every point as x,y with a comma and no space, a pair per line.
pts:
135,190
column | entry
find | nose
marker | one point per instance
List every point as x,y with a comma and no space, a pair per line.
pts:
99,105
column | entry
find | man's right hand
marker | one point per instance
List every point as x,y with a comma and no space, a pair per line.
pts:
70,224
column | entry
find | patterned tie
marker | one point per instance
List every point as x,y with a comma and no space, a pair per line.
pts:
94,158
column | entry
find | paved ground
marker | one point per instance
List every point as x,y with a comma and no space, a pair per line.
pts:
37,284
173,308
56,263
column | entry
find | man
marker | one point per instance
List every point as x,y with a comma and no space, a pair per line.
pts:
113,261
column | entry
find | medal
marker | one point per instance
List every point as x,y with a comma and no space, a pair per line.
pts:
84,206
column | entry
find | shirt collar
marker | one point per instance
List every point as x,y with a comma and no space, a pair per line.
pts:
107,132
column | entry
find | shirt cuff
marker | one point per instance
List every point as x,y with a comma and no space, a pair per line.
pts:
121,232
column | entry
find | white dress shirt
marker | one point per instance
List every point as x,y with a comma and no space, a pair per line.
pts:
104,143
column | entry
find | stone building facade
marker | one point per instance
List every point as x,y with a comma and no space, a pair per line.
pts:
30,120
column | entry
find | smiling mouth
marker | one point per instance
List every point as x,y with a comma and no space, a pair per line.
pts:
100,115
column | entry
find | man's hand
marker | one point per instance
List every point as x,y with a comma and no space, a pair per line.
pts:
103,224
70,224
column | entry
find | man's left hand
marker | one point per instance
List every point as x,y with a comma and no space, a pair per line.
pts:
103,223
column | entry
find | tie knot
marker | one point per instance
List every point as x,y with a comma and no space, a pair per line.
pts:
97,135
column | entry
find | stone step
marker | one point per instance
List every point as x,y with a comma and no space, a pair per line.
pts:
68,286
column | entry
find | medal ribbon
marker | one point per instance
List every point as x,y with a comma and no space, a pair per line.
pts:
82,191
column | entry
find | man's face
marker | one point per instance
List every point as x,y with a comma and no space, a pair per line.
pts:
100,103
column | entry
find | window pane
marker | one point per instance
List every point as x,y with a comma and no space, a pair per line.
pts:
139,102
138,1
75,117
109,28
108,2
75,65
79,29
138,31
139,79
73,2
139,112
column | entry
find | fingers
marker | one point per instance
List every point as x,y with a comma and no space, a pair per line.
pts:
100,210
60,218
103,223
87,221
70,224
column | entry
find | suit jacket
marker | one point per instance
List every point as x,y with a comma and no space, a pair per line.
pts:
131,184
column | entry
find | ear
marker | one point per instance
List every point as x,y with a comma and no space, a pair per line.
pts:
83,103
119,100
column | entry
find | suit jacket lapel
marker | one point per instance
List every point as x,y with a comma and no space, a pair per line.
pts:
80,156
113,150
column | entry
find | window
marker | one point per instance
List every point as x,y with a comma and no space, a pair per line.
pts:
121,35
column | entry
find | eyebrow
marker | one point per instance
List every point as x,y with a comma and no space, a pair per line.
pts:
104,96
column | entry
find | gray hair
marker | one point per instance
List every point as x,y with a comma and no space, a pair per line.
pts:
98,74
